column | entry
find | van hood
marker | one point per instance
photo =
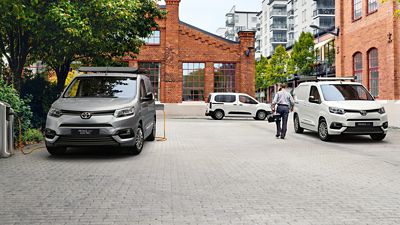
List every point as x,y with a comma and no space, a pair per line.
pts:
354,105
92,104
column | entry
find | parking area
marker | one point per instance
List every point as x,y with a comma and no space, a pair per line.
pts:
232,171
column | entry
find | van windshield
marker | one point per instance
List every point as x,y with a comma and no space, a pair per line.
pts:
102,87
345,92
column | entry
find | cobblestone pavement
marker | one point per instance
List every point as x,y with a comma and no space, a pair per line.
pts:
210,172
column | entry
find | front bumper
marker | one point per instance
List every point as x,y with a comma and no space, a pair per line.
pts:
107,125
349,124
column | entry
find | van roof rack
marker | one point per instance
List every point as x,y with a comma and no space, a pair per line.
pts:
108,70
336,79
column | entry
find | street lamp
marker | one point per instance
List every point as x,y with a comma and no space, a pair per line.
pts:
327,31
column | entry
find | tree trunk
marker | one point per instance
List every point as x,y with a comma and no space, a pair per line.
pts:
62,73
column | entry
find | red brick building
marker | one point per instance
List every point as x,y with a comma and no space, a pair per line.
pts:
369,45
186,63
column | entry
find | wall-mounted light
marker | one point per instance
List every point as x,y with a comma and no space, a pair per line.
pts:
248,51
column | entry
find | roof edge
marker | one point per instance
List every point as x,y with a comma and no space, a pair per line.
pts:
208,33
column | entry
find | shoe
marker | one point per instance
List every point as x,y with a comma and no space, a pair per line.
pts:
282,137
277,136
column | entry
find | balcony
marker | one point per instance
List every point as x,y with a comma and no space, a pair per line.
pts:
323,12
278,26
278,13
290,13
278,40
291,28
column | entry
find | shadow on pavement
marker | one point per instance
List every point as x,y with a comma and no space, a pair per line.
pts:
346,139
92,153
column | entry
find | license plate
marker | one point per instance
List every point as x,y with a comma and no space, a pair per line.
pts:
85,132
364,124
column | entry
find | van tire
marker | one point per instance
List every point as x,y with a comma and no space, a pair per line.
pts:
136,149
152,136
297,128
56,151
378,137
218,114
323,130
261,115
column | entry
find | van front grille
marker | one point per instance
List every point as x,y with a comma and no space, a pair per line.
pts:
86,141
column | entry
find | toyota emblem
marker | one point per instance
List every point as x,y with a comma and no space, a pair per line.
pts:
86,115
363,113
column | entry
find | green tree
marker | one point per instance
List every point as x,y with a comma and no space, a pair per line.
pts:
92,29
278,69
303,57
20,22
261,67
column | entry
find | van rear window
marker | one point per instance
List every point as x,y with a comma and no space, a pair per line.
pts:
225,98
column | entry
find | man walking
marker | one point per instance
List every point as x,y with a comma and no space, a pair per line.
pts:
285,103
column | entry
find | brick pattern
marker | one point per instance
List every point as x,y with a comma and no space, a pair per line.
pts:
370,31
183,43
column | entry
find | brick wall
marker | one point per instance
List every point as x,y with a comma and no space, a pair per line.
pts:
370,31
181,42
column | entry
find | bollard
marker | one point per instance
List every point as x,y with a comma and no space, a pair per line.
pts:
6,130
161,107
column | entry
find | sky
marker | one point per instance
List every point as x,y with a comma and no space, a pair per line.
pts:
209,15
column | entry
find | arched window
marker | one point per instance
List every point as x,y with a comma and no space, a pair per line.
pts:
357,9
358,67
373,72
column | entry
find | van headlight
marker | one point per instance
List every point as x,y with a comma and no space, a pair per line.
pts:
124,112
382,110
335,110
55,112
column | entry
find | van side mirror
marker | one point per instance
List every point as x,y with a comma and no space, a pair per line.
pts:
148,97
313,100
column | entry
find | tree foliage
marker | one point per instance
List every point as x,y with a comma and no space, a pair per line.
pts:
275,70
92,29
61,31
303,56
20,23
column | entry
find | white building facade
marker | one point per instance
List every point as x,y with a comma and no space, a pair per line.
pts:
282,21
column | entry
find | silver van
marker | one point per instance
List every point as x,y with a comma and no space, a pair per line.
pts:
106,108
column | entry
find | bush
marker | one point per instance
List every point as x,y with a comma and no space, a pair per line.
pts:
42,94
21,108
32,136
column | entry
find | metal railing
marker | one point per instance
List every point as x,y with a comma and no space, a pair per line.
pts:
318,12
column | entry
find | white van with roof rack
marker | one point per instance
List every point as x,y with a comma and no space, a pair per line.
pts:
222,105
338,106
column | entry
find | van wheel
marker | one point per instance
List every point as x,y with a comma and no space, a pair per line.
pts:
56,150
378,137
152,136
218,115
323,130
139,142
261,115
297,128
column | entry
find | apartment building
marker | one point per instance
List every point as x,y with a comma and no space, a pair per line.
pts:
282,21
239,21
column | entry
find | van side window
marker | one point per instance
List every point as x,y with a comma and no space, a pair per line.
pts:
315,93
225,98
142,89
246,100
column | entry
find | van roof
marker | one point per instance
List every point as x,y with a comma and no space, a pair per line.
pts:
329,82
109,75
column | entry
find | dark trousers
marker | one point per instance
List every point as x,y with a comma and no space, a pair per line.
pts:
283,118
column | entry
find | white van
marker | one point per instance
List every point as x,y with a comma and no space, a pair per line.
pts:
336,107
222,105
